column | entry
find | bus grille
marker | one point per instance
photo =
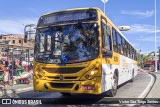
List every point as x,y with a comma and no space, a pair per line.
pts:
63,70
61,85
65,78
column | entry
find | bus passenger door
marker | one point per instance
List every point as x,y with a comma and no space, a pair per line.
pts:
106,56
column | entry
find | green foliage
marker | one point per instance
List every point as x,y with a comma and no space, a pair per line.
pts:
143,58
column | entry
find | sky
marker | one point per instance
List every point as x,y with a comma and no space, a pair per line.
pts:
138,14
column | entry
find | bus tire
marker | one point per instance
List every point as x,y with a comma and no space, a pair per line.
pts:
112,92
132,79
65,94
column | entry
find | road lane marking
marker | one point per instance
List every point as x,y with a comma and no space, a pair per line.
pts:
143,94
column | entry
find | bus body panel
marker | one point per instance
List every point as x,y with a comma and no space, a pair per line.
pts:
125,69
46,77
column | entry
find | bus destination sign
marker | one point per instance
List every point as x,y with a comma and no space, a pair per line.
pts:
70,16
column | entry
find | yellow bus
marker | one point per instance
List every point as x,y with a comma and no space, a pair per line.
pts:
81,51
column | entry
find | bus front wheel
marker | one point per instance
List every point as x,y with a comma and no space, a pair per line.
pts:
113,91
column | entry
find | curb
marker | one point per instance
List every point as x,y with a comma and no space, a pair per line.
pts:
18,90
149,86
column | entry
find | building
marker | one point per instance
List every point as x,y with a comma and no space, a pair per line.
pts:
15,40
151,59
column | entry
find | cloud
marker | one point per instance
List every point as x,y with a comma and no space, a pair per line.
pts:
15,25
143,28
142,14
150,38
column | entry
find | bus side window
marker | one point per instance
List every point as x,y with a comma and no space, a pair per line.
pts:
127,49
119,43
108,38
123,46
130,51
130,48
114,36
103,34
136,55
106,42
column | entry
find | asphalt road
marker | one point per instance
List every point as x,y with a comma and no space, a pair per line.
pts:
127,90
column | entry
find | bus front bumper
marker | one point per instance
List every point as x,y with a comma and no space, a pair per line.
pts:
88,86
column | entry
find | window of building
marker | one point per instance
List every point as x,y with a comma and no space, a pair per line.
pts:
0,37
13,41
19,41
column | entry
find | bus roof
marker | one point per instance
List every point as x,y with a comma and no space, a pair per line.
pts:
108,20
71,10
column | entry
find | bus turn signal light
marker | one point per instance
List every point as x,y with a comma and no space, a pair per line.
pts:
88,87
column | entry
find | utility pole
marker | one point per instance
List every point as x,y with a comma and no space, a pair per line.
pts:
155,39
159,58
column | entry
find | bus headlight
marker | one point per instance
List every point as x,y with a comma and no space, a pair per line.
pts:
90,74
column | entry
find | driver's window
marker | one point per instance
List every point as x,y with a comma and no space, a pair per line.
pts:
106,41
104,37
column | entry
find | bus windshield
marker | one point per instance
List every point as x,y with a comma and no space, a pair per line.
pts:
67,43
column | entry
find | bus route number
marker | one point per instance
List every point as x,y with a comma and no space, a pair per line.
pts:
115,59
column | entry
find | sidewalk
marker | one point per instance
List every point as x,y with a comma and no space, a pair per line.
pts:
17,88
155,91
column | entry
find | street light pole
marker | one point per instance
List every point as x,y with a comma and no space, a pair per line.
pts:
159,58
155,39
104,8
26,34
